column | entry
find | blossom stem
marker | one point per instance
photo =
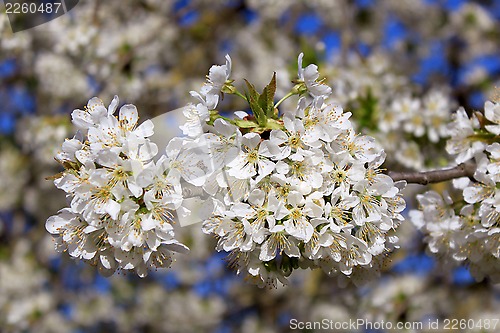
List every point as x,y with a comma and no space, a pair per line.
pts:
291,93
466,169
237,93
486,137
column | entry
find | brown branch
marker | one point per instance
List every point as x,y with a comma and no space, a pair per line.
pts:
435,176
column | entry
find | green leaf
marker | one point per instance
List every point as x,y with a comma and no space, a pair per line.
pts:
262,105
263,101
274,124
270,92
253,98
257,111
266,99
245,124
251,90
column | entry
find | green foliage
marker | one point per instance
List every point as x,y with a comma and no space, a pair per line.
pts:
262,105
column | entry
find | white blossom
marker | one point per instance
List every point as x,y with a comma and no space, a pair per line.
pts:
492,113
470,234
314,194
310,76
122,203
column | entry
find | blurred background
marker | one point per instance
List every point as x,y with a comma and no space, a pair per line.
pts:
383,59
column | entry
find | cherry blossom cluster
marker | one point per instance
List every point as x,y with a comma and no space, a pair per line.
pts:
471,232
122,203
293,188
386,105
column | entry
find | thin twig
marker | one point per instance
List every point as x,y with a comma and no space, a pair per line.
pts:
435,176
